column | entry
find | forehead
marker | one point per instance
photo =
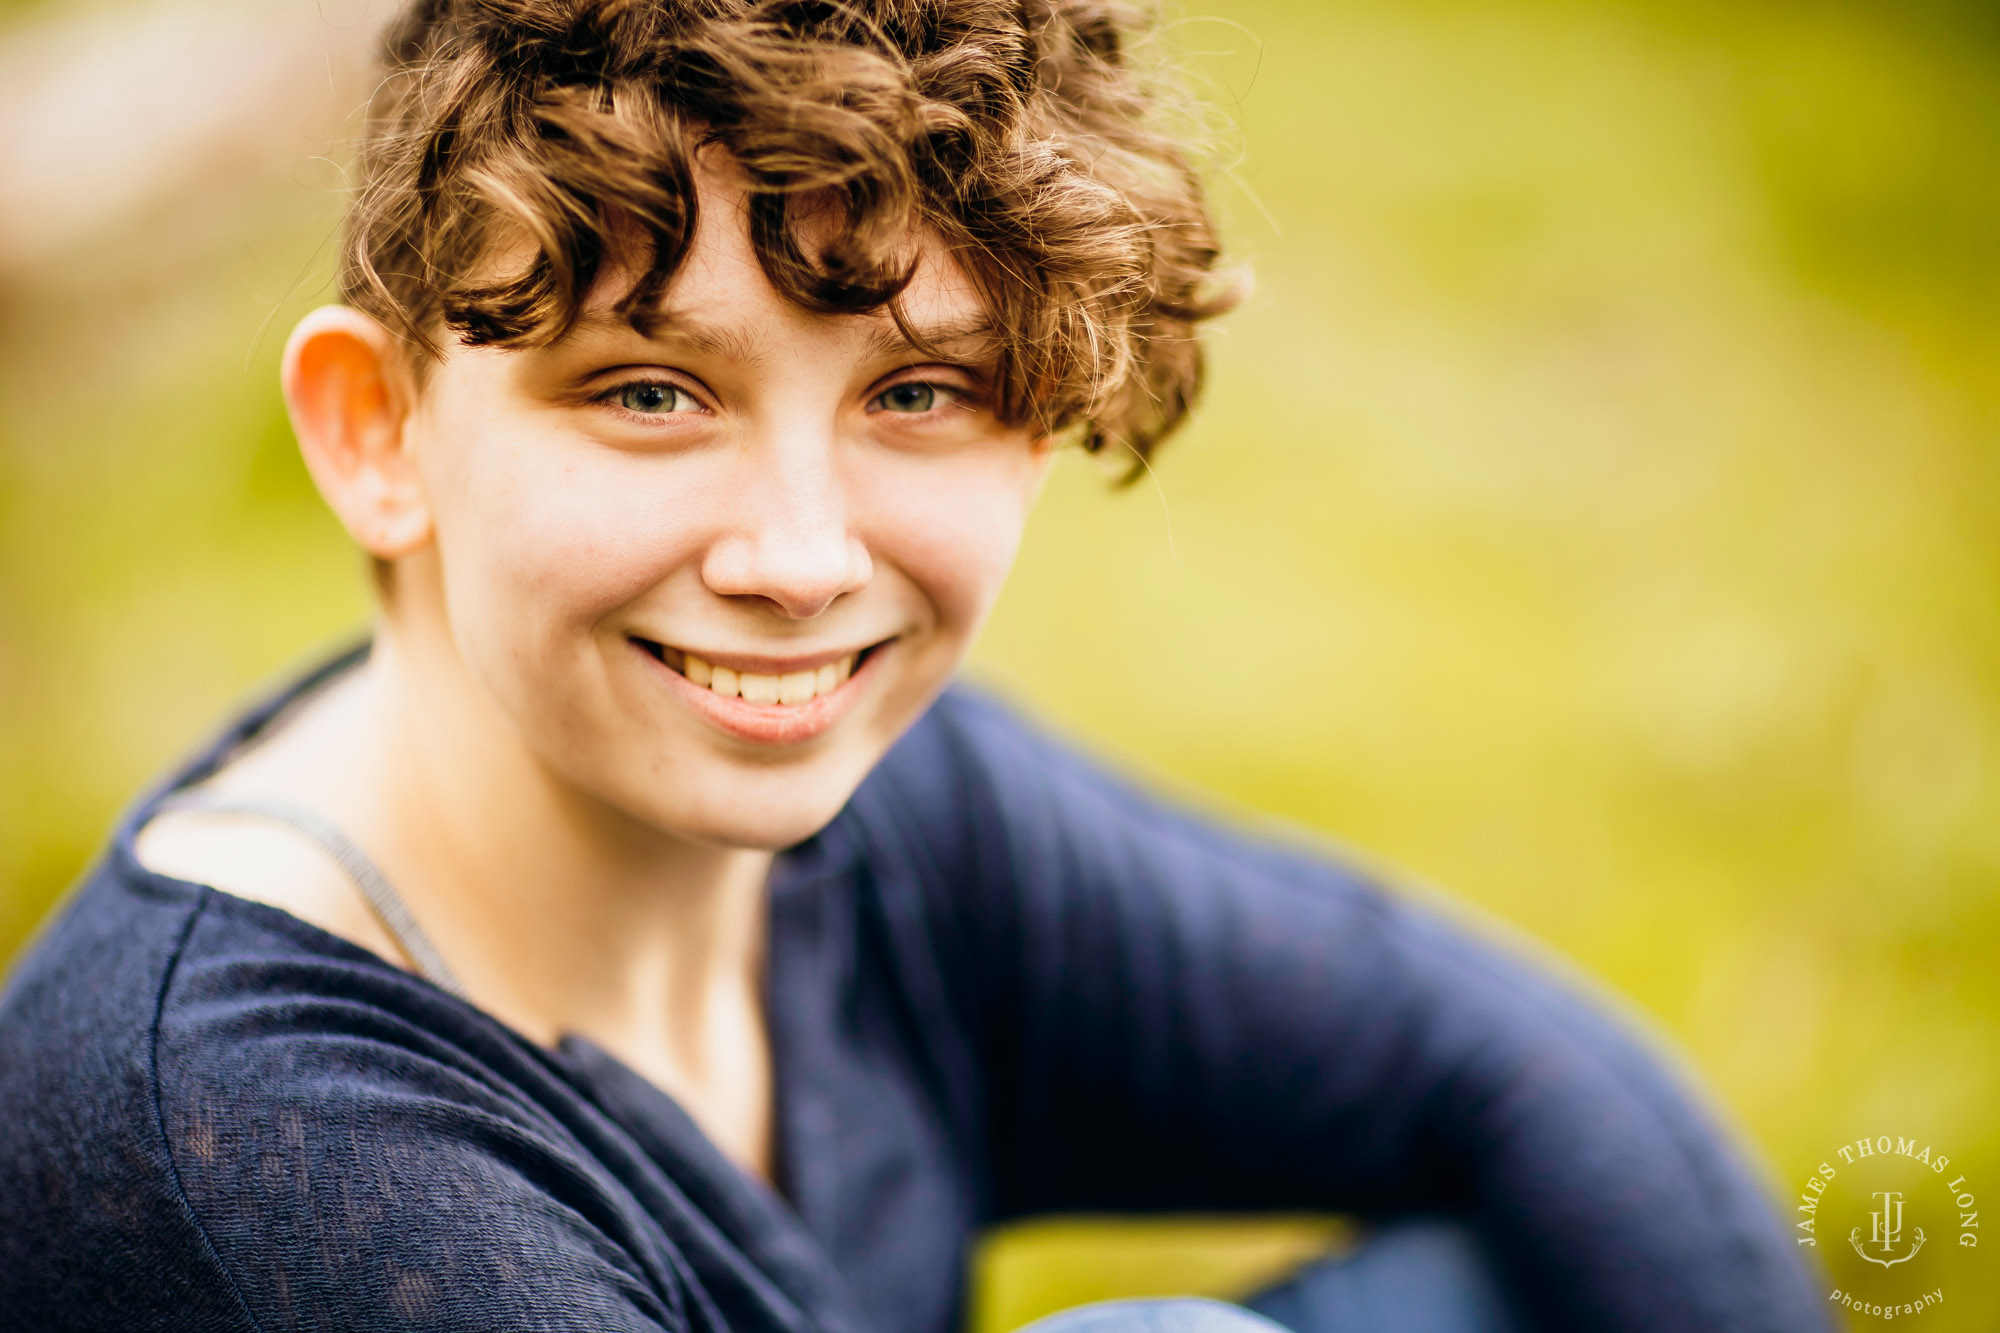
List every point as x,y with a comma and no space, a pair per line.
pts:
720,299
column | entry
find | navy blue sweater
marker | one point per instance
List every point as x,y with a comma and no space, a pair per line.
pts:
1001,983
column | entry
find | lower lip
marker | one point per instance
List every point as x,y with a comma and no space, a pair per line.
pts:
770,724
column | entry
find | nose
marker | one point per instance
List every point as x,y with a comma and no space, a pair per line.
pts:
789,541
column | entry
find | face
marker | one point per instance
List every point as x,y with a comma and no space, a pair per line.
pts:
710,575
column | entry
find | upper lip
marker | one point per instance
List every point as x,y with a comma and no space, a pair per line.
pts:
765,664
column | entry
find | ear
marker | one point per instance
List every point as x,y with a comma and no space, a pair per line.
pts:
349,392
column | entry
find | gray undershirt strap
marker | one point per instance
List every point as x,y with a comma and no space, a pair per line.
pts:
389,906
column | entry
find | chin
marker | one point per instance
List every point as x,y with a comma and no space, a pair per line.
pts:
764,831
768,813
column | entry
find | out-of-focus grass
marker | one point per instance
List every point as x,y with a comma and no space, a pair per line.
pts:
1594,512
1037,1268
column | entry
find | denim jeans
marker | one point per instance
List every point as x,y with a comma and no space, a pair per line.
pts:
1417,1276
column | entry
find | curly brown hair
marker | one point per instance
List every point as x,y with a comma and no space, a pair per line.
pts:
1021,134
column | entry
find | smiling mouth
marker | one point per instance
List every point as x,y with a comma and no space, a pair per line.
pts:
785,689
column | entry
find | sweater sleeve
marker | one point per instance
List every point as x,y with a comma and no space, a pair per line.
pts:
1178,1017
351,1170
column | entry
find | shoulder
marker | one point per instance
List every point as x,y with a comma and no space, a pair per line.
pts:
998,792
264,862
1048,889
86,1173
974,734
351,1139
977,767
234,1114
1100,897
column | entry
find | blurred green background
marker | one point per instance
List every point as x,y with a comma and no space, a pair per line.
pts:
1596,510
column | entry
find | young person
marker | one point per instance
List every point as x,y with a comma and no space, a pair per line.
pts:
640,932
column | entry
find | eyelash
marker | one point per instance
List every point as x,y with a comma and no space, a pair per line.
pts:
611,396
951,394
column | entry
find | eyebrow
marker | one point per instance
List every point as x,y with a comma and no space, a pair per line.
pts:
889,340
724,342
714,340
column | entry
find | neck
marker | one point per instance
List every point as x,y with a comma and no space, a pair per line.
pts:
559,912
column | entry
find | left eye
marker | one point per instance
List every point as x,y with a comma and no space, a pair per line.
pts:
653,399
915,396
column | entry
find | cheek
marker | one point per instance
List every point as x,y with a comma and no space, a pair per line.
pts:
533,534
952,526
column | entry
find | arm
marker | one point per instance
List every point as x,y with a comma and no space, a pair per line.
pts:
1179,1018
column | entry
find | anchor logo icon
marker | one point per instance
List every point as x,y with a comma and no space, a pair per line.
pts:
1886,1230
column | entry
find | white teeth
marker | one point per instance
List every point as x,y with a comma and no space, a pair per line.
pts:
794,687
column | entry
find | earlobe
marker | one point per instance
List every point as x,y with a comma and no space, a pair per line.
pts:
348,392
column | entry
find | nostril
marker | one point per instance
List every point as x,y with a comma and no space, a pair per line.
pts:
796,573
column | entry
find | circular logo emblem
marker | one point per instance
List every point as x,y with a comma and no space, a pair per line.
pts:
1893,1222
